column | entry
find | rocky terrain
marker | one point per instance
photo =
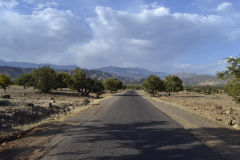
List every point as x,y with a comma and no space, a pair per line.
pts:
217,107
28,107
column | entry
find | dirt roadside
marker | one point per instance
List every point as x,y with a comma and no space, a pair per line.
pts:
220,138
38,141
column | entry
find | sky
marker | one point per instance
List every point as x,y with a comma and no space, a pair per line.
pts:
158,35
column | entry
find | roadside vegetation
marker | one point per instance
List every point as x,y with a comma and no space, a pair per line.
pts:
45,92
220,103
154,85
232,74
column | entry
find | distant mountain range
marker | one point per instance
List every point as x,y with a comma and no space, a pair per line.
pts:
127,75
34,65
188,78
192,79
132,72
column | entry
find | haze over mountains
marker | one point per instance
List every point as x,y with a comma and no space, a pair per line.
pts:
34,65
132,72
127,75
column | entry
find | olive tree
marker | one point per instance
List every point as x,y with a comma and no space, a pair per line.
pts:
5,81
62,80
232,75
98,88
78,80
153,84
112,84
173,84
26,80
44,79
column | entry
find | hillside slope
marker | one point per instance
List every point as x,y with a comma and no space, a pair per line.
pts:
132,72
34,65
192,79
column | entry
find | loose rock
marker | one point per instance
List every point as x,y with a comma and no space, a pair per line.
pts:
218,107
4,143
236,126
233,122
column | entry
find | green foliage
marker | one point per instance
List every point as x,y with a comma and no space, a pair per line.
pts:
136,87
44,79
204,89
85,85
173,84
232,88
232,74
78,79
62,80
25,80
153,84
97,88
112,84
5,81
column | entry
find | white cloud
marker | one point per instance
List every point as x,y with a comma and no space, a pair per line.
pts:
8,3
43,35
152,38
224,6
41,6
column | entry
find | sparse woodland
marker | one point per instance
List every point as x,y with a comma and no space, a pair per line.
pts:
44,93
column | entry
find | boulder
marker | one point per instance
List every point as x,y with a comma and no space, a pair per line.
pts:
233,122
218,107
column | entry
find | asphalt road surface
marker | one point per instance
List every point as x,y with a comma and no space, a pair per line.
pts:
128,127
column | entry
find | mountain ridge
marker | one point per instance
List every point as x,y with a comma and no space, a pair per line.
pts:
35,65
133,72
127,75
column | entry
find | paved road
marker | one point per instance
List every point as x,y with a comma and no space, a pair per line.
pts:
130,128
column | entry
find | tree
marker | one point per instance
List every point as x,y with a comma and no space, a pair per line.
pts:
5,81
173,84
62,80
25,80
44,79
232,74
98,88
88,86
112,84
153,84
78,80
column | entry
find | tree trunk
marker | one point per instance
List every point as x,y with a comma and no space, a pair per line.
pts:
169,94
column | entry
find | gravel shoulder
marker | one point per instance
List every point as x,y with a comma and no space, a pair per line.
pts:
219,137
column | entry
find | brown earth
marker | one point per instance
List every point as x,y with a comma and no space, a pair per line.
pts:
218,107
28,108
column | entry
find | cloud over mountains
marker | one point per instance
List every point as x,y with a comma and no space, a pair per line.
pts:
153,37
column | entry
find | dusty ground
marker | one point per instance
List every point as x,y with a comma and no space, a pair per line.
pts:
39,138
17,114
197,113
217,107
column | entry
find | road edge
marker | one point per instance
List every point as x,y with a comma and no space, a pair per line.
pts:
223,148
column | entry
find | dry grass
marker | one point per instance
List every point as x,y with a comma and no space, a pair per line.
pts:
20,97
206,105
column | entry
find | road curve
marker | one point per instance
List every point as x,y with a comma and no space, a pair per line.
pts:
129,128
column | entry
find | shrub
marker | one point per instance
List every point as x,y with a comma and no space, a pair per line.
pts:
44,79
